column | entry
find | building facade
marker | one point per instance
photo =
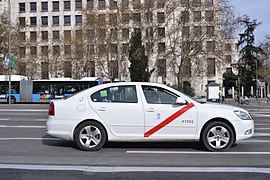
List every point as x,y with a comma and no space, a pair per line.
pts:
78,38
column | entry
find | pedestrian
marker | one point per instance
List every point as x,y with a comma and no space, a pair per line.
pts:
268,98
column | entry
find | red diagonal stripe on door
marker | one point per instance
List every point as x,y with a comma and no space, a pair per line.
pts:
168,120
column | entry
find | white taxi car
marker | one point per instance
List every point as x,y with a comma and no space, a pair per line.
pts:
140,112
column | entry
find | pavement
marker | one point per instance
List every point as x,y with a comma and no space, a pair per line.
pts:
255,104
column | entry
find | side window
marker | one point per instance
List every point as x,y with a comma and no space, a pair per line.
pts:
156,95
116,94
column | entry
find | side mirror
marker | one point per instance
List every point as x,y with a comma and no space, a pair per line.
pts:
181,101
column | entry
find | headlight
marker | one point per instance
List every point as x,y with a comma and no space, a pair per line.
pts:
242,115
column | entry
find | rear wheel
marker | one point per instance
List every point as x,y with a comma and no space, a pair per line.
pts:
217,136
90,136
12,100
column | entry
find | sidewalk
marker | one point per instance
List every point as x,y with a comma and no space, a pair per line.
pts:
255,105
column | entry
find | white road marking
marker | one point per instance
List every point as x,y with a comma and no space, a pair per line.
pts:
110,169
198,152
6,126
260,115
4,119
23,110
51,139
41,120
262,128
262,134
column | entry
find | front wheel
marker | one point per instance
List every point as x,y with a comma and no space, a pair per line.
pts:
217,136
90,136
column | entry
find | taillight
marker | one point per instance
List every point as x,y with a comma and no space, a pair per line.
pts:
51,109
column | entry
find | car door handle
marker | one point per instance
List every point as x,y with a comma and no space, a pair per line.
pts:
101,109
150,110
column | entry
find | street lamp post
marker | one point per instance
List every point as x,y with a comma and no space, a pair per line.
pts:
9,52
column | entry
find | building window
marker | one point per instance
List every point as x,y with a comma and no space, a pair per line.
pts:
210,46
56,35
67,69
55,20
33,21
22,21
228,59
185,16
161,32
67,35
66,5
78,4
125,48
160,3
113,4
44,70
228,47
33,6
125,34
197,16
79,51
197,46
113,19
102,34
114,49
78,19
125,18
113,34
22,36
185,3
44,51
185,32
101,4
33,50
22,51
125,4
136,4
211,66
55,6
90,4
21,7
79,34
56,51
22,68
161,48
67,50
44,35
209,15
67,21
102,19
137,18
91,69
149,32
44,20
44,6
196,3
161,17
209,2
197,31
161,68
33,36
186,70
210,31
113,69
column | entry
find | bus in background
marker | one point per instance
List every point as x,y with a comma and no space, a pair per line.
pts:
15,88
42,91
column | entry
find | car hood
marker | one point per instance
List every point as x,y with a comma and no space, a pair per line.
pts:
222,106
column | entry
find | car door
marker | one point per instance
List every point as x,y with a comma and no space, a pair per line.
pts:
121,109
164,119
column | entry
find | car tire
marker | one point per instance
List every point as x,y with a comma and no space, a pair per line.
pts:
12,100
90,136
217,136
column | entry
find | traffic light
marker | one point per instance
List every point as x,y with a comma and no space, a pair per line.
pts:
12,63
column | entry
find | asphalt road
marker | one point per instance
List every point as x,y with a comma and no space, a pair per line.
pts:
27,152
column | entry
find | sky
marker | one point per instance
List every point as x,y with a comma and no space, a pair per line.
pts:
255,9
